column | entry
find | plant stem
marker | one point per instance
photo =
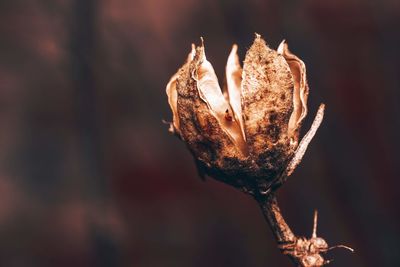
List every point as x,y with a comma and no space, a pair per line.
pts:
270,209
302,251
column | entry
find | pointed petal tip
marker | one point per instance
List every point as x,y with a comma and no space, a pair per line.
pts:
192,53
202,41
234,47
258,38
321,107
282,47
233,52
198,51
259,42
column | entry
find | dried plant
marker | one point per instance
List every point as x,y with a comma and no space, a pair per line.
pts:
247,135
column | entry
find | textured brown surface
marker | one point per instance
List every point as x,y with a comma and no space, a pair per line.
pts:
267,99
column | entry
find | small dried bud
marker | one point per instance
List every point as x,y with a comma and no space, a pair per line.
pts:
248,134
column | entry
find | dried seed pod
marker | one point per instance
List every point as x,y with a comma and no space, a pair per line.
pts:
248,136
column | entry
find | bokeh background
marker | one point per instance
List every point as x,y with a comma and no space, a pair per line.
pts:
89,175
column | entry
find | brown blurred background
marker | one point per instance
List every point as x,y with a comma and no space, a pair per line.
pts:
89,175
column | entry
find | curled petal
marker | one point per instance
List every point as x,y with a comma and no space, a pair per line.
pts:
210,92
173,101
172,94
234,83
300,93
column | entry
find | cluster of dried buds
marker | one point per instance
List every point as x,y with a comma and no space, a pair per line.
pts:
246,135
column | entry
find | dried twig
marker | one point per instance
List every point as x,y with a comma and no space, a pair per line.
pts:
302,251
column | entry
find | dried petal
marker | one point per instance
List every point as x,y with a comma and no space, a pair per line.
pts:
172,100
234,85
300,93
210,93
199,116
172,94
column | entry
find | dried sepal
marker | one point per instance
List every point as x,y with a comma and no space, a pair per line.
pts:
305,141
267,91
301,148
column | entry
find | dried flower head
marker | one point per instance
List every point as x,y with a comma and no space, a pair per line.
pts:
246,135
